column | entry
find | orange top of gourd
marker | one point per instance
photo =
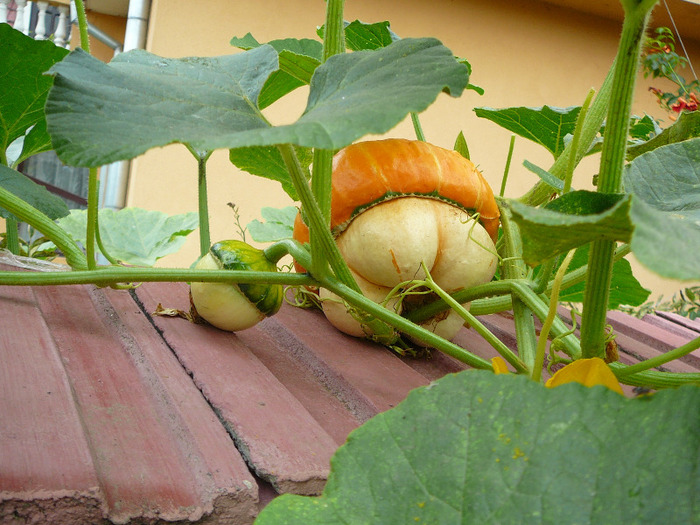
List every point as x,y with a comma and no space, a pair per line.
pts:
372,172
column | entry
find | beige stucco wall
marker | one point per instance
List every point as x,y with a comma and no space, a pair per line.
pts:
523,53
113,26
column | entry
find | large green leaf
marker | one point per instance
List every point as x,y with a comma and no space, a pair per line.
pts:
573,220
475,447
546,125
133,235
31,192
23,62
363,36
100,113
666,209
298,59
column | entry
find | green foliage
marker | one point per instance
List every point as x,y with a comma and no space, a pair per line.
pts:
624,290
665,184
572,220
298,59
266,161
479,448
685,302
23,61
278,225
32,193
135,236
660,60
35,246
686,127
546,125
93,118
659,215
471,447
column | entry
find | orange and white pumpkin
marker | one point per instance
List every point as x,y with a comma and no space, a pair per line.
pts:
398,205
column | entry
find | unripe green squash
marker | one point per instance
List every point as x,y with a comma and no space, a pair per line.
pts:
231,306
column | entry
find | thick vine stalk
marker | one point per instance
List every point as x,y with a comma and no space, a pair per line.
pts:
600,260
333,44
29,214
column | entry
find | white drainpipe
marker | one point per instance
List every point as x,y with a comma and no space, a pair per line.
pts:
114,178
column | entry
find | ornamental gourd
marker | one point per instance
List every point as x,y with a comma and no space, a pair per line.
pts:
231,306
399,204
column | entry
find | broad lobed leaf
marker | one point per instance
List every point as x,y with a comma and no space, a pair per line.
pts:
686,127
133,235
665,210
546,125
573,220
99,113
298,59
23,62
461,451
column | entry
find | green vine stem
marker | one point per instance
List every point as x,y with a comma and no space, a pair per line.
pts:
12,235
334,37
325,238
492,305
549,320
92,211
659,360
501,292
404,325
114,275
39,221
655,378
82,25
612,161
506,170
568,178
321,184
473,322
514,268
321,179
541,192
202,200
542,279
315,218
101,246
93,184
417,128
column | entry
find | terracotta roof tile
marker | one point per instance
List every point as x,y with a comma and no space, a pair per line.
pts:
111,412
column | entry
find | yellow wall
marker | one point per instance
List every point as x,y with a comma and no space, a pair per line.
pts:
523,53
113,26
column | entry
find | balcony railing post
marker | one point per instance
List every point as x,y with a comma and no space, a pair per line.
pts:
40,29
4,8
62,26
20,17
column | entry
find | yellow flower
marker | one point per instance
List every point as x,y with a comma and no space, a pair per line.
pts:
588,372
499,365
